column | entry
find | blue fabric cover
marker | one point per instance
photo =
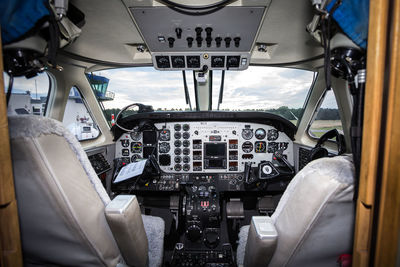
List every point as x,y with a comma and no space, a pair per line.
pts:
352,17
19,16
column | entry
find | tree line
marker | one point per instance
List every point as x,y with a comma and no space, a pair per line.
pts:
284,111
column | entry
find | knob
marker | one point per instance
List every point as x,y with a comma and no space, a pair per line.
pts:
237,41
178,32
198,31
199,40
190,41
228,42
208,40
179,246
193,232
218,41
267,169
171,41
208,31
211,239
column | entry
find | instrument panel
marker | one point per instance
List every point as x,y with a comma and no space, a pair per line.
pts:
205,146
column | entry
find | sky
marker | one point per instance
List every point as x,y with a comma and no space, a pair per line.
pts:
254,88
21,85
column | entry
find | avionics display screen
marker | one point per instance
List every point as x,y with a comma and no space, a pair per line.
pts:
149,137
215,150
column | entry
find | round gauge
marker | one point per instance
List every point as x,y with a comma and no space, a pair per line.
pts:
272,147
273,134
177,135
164,147
260,147
177,151
177,159
178,167
186,151
186,135
165,135
136,136
136,147
186,143
247,134
124,142
260,133
186,159
135,157
247,147
186,127
186,167
177,143
177,127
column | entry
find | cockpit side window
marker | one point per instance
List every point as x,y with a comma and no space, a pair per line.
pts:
327,117
28,96
77,117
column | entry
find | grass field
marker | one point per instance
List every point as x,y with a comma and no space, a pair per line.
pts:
319,127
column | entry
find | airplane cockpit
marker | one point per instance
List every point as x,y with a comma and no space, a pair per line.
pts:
184,133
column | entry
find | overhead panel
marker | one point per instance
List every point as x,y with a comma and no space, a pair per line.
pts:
207,40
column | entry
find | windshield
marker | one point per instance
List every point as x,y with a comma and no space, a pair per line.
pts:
281,91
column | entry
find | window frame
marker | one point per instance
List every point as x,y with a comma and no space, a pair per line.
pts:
88,111
315,113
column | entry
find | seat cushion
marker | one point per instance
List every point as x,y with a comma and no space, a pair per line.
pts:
243,234
154,227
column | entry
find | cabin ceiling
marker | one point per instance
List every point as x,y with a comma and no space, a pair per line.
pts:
110,32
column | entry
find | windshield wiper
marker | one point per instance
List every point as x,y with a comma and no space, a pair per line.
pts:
187,97
221,89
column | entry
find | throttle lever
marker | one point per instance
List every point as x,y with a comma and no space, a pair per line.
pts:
247,171
278,154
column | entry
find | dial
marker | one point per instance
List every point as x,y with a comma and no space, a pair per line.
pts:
247,134
186,159
177,143
178,167
186,143
135,157
247,147
186,151
260,147
136,147
164,147
260,133
273,134
186,127
165,135
177,127
136,136
272,147
186,167
177,159
124,142
186,135
177,151
177,135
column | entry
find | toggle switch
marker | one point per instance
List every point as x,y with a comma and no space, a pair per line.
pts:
198,31
228,42
190,41
199,40
237,41
218,41
171,41
178,32
208,31
208,41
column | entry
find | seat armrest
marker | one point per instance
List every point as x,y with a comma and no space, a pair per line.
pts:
125,220
261,242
